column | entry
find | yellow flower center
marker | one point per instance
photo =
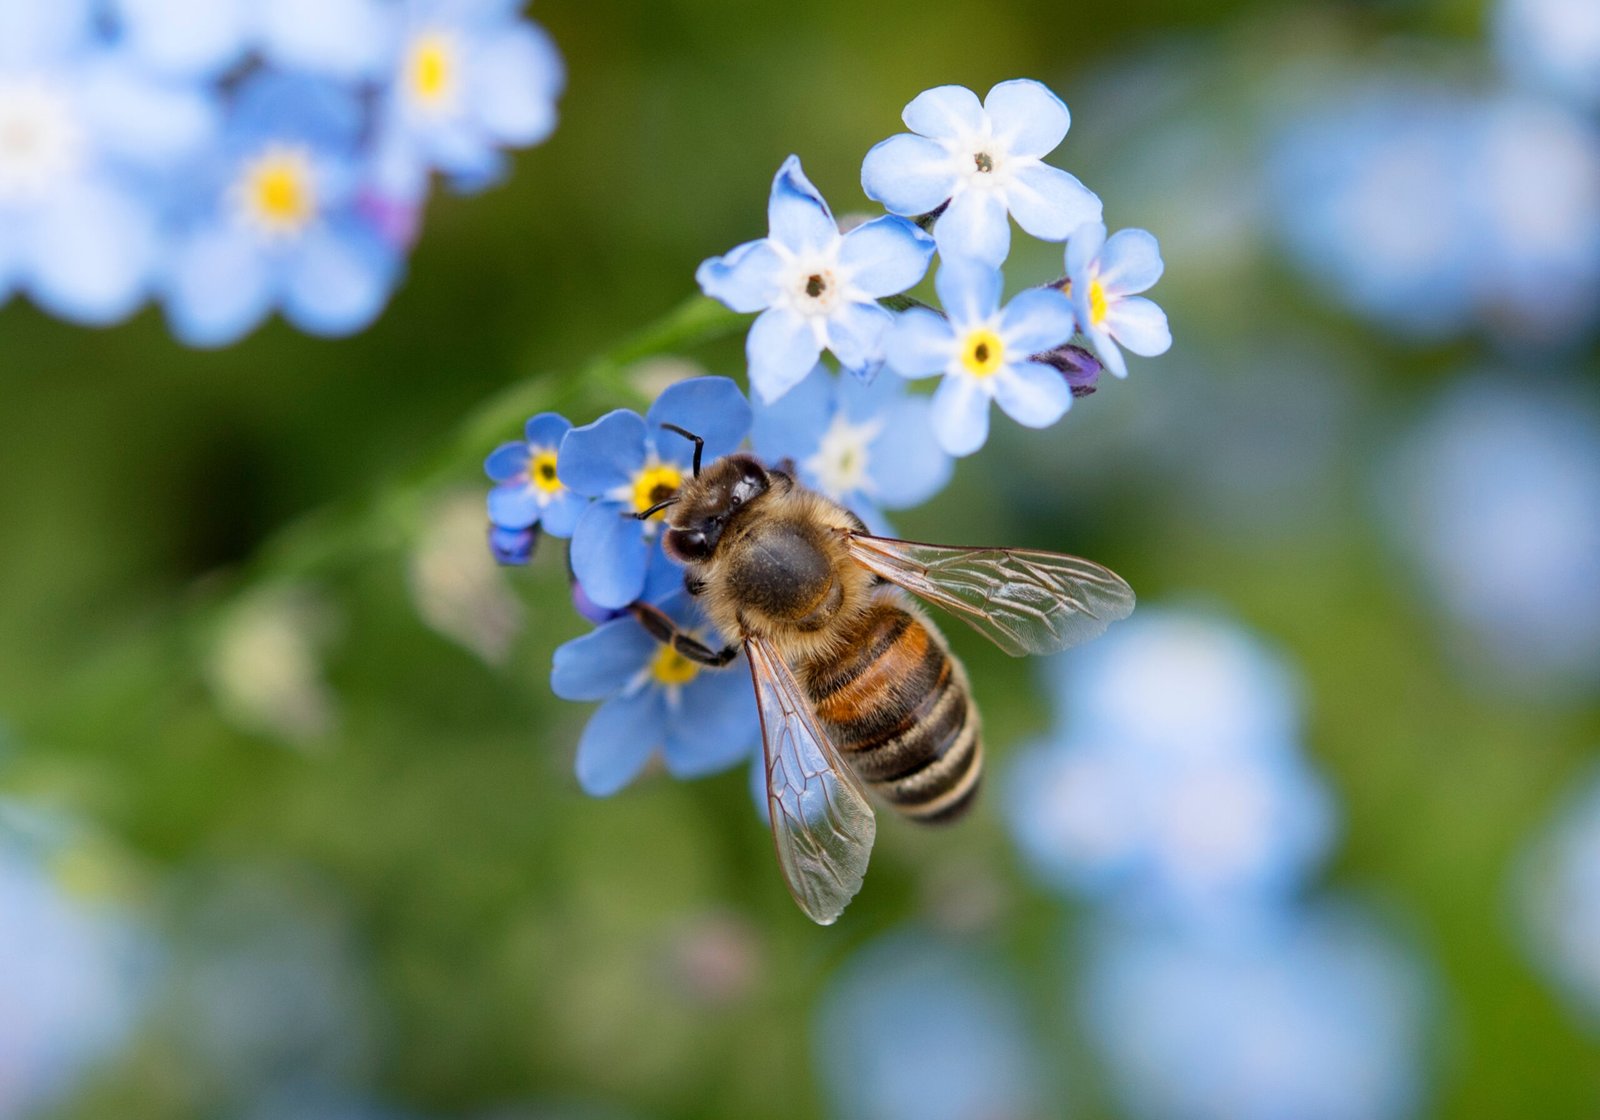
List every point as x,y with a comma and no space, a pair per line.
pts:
432,69
276,191
983,353
655,484
1097,300
672,668
542,472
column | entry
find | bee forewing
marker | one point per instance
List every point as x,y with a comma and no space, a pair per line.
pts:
1023,600
822,825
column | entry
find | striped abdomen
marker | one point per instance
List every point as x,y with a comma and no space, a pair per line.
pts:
898,708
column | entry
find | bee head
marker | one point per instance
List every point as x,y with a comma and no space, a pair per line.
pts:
708,502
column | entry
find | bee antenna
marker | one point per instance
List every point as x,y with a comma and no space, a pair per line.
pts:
699,444
645,515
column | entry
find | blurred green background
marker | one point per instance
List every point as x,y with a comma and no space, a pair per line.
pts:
520,941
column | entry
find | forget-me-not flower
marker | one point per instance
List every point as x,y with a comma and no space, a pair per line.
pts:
985,160
1558,890
984,353
816,288
277,222
628,464
1552,44
88,146
1104,277
470,78
528,490
701,719
346,40
867,445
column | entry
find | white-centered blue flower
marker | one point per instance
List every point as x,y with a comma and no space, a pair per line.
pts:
1104,277
816,288
867,445
344,39
984,353
984,160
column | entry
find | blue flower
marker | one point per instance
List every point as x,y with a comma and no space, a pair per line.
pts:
528,490
1320,1015
628,464
1552,44
984,354
512,547
1104,278
816,289
90,144
913,1028
344,39
868,446
470,77
701,719
985,161
277,221
1558,892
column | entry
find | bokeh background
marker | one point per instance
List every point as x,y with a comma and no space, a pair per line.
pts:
289,827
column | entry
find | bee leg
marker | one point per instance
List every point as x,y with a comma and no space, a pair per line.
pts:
664,630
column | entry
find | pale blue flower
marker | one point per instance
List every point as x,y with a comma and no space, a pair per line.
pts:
984,353
867,445
985,161
816,288
469,79
1558,893
1552,44
344,39
914,1028
1319,1016
1104,277
528,490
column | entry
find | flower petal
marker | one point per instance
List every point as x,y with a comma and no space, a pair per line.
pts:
960,415
712,408
561,516
910,175
340,282
1107,350
604,455
1139,325
945,113
1048,203
920,344
885,256
94,253
506,461
907,466
974,226
518,74
797,217
1039,319
855,335
513,505
1083,246
602,662
781,349
1027,117
546,429
620,738
609,554
218,287
1130,262
717,725
343,38
1032,394
969,291
745,277
793,428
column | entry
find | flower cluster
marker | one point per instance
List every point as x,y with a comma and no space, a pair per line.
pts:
964,171
229,158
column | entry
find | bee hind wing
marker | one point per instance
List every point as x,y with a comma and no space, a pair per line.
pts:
822,824
1024,600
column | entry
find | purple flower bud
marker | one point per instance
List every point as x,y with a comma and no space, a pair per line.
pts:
1077,365
512,547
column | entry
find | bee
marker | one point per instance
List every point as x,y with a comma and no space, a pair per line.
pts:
856,687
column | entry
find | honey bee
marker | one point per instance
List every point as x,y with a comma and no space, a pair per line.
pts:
855,685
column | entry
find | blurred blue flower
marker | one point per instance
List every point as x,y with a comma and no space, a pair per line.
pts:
816,288
1312,1017
1557,885
984,353
471,77
1493,494
1104,278
527,490
343,39
87,146
1176,790
276,221
513,547
628,464
701,719
868,446
912,1028
1552,45
985,161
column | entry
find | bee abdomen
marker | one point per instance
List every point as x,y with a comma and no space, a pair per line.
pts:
898,708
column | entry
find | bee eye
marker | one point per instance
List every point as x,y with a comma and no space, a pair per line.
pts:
687,545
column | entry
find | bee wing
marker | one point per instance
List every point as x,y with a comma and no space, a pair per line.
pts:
1023,600
822,825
